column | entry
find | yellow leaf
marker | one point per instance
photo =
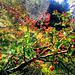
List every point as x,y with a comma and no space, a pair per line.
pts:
68,12
26,35
24,14
41,23
63,24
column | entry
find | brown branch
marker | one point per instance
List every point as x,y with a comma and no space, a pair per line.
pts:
53,54
41,48
23,64
24,53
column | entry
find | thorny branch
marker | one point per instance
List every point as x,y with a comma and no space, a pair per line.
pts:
23,64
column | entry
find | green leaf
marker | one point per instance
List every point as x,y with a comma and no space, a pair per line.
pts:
14,43
62,15
27,40
20,47
36,63
29,49
73,42
2,68
54,30
25,27
45,70
46,32
13,52
4,58
50,32
66,19
69,40
53,13
63,18
31,34
57,45
72,36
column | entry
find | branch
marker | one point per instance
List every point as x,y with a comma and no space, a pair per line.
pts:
41,48
24,53
23,64
53,54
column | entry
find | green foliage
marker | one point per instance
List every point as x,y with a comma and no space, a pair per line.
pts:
58,50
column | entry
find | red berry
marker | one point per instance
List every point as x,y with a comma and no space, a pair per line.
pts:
31,66
43,31
38,50
17,59
35,44
53,47
55,59
40,66
51,67
46,24
47,43
65,62
63,46
40,43
62,49
21,22
72,46
54,63
60,16
11,56
40,61
11,7
15,62
36,41
44,50
59,70
62,53
69,34
33,22
57,62
0,59
18,53
55,55
63,12
58,50
72,56
42,37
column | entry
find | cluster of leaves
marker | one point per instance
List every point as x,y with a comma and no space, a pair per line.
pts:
63,18
60,7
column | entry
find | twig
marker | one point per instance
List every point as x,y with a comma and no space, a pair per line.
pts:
24,52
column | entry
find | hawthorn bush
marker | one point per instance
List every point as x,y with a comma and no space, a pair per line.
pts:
36,51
